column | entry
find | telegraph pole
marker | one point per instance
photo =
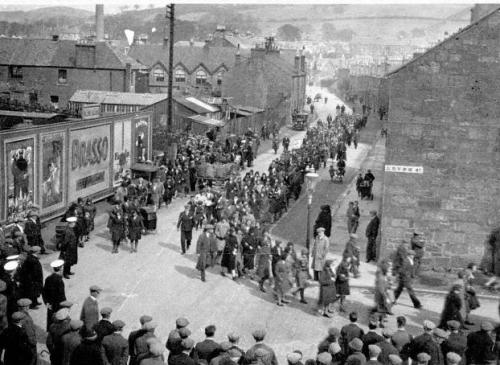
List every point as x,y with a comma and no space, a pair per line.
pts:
171,145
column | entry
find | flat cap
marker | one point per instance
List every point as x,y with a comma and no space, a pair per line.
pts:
333,331
261,352
320,229
187,343
118,325
438,332
62,314
395,359
145,319
453,325
293,357
356,344
181,322
3,286
75,324
66,304
184,332
34,249
150,326
71,219
453,358
423,357
324,358
17,316
233,337
11,266
56,263
24,302
411,253
225,345
486,326
234,353
429,325
95,288
106,311
374,350
334,348
259,334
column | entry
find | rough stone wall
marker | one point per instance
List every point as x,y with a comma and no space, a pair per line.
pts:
444,115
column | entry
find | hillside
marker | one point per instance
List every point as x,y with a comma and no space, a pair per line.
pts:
34,15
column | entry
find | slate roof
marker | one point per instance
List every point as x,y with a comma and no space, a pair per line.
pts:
115,97
49,53
190,57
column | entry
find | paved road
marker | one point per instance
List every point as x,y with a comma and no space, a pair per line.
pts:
159,281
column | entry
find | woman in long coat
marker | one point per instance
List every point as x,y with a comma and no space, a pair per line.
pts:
327,290
324,220
69,247
452,307
117,226
302,274
229,254
382,289
264,256
282,284
135,229
342,281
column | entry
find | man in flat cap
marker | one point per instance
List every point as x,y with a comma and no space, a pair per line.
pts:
27,323
324,358
59,326
183,358
373,354
69,247
355,357
15,342
30,276
417,244
426,343
70,340
269,356
453,358
206,249
141,343
333,337
155,356
89,351
319,251
104,327
405,275
115,345
371,337
395,360
90,308
185,224
208,348
234,339
53,292
134,335
174,340
294,358
223,353
423,358
371,235
386,346
456,341
480,345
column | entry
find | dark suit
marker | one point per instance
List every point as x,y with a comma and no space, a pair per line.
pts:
480,348
103,328
115,349
69,249
371,235
347,334
53,293
33,231
405,278
70,342
205,350
425,343
370,338
31,278
54,340
457,343
185,223
356,358
88,353
16,345
181,359
387,349
134,335
90,313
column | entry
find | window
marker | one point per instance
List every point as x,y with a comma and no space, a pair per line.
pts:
15,72
62,76
220,75
180,75
201,77
54,99
159,74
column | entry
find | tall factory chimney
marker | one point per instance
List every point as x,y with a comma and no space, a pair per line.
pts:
99,22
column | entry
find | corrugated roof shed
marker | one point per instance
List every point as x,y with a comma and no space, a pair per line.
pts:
114,97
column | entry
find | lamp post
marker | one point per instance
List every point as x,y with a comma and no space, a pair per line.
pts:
311,180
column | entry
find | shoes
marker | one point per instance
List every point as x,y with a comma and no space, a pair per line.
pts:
66,277
469,323
418,306
71,273
203,279
303,301
285,301
280,304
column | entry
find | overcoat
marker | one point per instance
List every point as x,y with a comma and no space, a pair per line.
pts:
69,247
320,249
206,248
135,228
327,290
282,282
342,280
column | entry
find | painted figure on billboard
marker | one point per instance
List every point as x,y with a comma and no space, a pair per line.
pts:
20,176
141,140
52,167
122,150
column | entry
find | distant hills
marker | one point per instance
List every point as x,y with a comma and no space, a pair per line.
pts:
44,13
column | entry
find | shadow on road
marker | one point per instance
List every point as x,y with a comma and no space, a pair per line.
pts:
191,273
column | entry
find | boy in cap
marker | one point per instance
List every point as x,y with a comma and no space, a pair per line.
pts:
70,340
333,337
395,360
453,358
90,308
60,326
28,324
456,341
183,358
53,292
386,346
104,327
234,338
373,353
356,356
323,359
115,345
174,339
423,358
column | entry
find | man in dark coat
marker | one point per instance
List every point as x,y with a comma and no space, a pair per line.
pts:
89,352
33,231
417,244
268,356
371,337
134,335
71,340
69,247
90,308
426,343
350,331
185,224
208,348
456,341
183,358
386,347
116,346
28,325
14,341
371,234
53,292
405,278
324,220
12,290
480,345
30,277
59,327
104,327
206,249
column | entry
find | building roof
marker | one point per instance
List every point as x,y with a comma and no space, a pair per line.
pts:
449,39
202,104
61,53
28,115
207,120
115,97
190,57
247,108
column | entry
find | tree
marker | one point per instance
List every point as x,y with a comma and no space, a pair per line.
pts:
328,30
137,6
289,33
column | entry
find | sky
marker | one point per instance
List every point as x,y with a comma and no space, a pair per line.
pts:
112,6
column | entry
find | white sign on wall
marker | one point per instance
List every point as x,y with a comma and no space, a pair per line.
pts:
405,169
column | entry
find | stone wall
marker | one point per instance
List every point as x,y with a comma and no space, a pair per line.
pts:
444,114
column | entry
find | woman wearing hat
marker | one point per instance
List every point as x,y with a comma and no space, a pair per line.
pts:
302,274
135,230
452,307
342,280
383,301
229,254
282,284
327,290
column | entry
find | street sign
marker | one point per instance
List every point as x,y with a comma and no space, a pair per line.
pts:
404,169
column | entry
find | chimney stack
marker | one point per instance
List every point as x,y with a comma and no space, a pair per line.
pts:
297,61
99,22
302,60
237,57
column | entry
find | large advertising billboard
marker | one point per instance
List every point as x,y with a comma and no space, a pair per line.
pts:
122,150
52,149
20,158
89,161
142,136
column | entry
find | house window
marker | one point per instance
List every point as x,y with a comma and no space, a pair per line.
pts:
159,74
54,99
201,77
15,72
62,76
180,75
220,75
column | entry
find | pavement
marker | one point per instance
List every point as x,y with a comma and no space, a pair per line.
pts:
159,281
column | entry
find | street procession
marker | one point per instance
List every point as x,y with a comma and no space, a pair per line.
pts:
214,186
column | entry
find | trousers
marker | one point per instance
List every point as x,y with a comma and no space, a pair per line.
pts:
186,237
402,284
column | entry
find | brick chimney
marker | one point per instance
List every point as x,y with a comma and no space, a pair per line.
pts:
99,22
